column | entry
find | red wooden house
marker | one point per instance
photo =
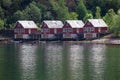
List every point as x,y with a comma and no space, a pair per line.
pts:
93,27
51,29
23,29
72,28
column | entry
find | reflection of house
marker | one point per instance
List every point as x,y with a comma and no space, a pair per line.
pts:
51,29
23,29
93,27
73,29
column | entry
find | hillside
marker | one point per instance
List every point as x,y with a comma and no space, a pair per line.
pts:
39,10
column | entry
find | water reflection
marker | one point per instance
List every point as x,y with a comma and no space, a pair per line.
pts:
97,61
59,61
9,69
53,61
2,61
112,71
27,57
76,62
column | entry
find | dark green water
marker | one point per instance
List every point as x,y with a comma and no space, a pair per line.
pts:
59,61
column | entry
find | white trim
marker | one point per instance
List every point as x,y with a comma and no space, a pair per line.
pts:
90,35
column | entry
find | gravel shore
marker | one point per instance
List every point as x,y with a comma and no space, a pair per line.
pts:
103,41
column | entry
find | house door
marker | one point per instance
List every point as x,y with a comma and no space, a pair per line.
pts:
18,36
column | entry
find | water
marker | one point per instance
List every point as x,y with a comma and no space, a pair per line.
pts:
59,61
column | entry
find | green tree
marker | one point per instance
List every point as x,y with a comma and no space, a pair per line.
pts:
33,12
48,15
1,13
91,5
46,12
63,10
116,25
19,15
88,16
98,13
73,15
1,24
6,3
115,4
81,10
109,18
60,10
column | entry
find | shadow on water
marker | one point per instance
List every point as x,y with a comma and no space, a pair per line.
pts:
112,71
9,63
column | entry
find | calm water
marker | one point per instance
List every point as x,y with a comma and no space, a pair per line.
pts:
59,61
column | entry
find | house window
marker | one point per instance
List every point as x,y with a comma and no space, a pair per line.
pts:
64,30
89,29
45,30
19,30
67,30
15,30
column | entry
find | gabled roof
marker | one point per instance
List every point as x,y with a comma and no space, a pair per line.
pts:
27,24
75,23
97,22
53,23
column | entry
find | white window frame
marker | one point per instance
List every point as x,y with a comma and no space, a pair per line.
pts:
45,30
67,30
19,30
89,29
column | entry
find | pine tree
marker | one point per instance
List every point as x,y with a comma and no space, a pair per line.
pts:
98,13
1,24
60,9
32,12
109,18
88,16
81,10
73,16
116,25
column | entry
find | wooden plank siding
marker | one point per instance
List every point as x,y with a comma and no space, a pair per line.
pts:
23,29
93,27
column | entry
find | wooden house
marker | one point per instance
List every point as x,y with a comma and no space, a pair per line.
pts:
72,29
23,29
94,27
51,29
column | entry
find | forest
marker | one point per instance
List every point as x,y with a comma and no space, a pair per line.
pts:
39,10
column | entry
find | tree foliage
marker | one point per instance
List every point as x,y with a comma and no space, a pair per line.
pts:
73,16
1,24
60,9
81,10
88,16
6,3
32,12
19,15
39,10
109,18
116,28
98,13
1,13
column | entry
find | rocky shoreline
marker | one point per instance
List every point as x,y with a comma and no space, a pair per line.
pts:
110,41
101,41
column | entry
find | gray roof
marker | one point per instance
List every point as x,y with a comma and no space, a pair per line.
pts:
27,24
75,23
98,22
53,23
